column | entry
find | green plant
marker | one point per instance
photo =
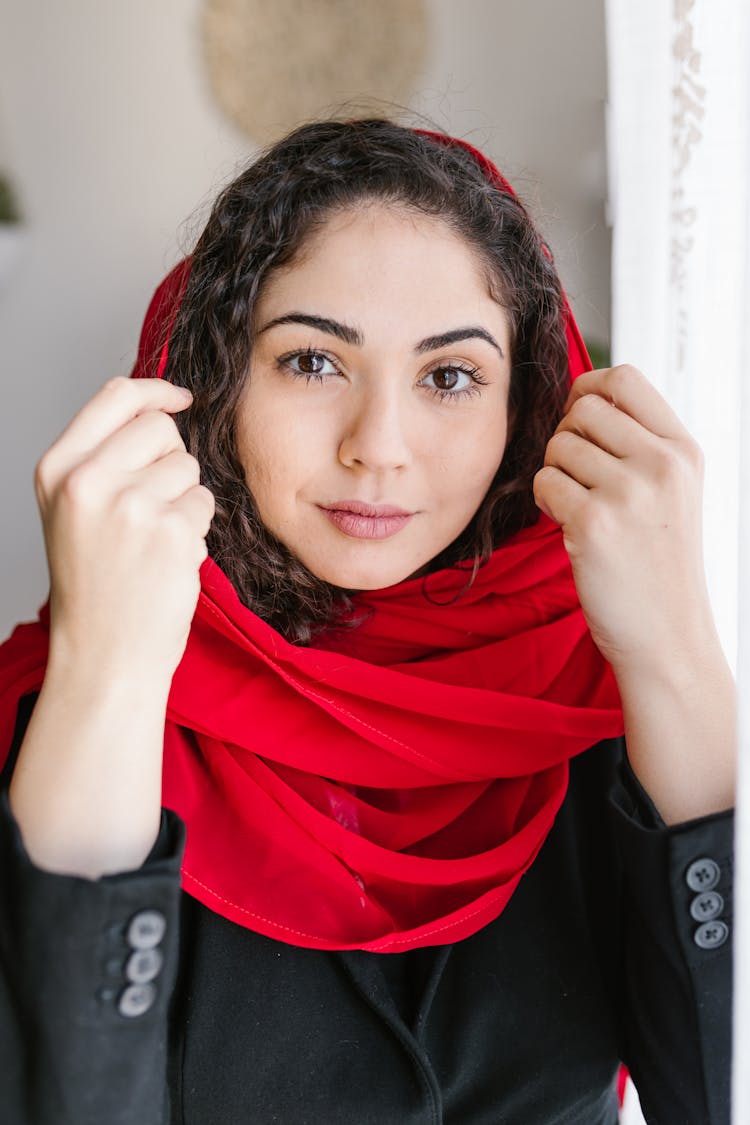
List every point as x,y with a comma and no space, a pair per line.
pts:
599,352
9,212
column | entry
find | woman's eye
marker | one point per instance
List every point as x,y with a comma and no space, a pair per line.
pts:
309,365
451,381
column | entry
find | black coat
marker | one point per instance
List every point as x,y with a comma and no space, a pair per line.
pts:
596,958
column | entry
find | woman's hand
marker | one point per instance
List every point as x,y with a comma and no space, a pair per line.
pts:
624,480
125,520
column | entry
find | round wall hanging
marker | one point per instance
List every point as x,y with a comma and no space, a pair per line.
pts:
273,64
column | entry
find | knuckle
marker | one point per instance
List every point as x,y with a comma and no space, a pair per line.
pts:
191,465
208,494
554,441
563,439
160,431
204,509
160,423
173,432
555,448
667,466
117,385
626,373
694,454
587,406
622,378
81,485
540,479
43,475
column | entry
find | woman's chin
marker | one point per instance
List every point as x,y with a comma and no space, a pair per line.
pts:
362,585
355,580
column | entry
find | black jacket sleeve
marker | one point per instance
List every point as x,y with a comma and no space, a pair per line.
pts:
87,968
677,958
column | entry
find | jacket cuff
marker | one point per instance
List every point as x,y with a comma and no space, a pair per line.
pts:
89,967
680,879
79,942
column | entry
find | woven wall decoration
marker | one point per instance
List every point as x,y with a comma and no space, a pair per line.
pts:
273,64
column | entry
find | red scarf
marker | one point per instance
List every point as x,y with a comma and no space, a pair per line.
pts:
388,788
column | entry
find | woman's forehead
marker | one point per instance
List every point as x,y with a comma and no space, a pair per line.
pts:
377,263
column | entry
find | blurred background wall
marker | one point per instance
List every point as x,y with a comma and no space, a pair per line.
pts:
115,145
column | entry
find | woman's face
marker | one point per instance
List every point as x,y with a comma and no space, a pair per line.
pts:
374,417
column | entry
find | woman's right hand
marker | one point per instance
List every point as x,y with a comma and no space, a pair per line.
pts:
125,520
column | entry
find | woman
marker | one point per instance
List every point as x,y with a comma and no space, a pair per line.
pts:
424,879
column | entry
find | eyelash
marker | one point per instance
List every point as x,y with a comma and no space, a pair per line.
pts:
284,364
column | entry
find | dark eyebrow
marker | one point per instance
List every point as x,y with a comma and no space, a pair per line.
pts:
332,327
432,343
353,336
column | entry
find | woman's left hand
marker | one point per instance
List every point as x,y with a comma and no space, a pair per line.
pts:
624,478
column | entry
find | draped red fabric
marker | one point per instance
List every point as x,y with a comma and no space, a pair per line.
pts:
387,788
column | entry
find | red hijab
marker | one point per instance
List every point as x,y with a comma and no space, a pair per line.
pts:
385,789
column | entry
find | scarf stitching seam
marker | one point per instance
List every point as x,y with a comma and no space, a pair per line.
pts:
301,933
310,693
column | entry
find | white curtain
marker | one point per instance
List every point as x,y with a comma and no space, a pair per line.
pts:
679,172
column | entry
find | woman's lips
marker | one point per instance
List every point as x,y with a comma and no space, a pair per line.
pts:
367,521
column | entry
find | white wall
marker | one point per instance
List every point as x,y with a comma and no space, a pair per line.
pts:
113,140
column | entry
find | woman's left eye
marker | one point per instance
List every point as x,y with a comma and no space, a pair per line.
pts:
451,381
446,381
309,365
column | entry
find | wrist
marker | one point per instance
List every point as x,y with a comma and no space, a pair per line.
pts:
674,669
85,673
679,711
86,787
673,654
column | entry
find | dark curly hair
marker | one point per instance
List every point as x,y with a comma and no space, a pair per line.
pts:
259,223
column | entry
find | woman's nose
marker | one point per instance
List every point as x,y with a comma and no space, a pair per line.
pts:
375,434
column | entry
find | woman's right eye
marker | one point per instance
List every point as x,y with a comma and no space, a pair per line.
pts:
308,364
